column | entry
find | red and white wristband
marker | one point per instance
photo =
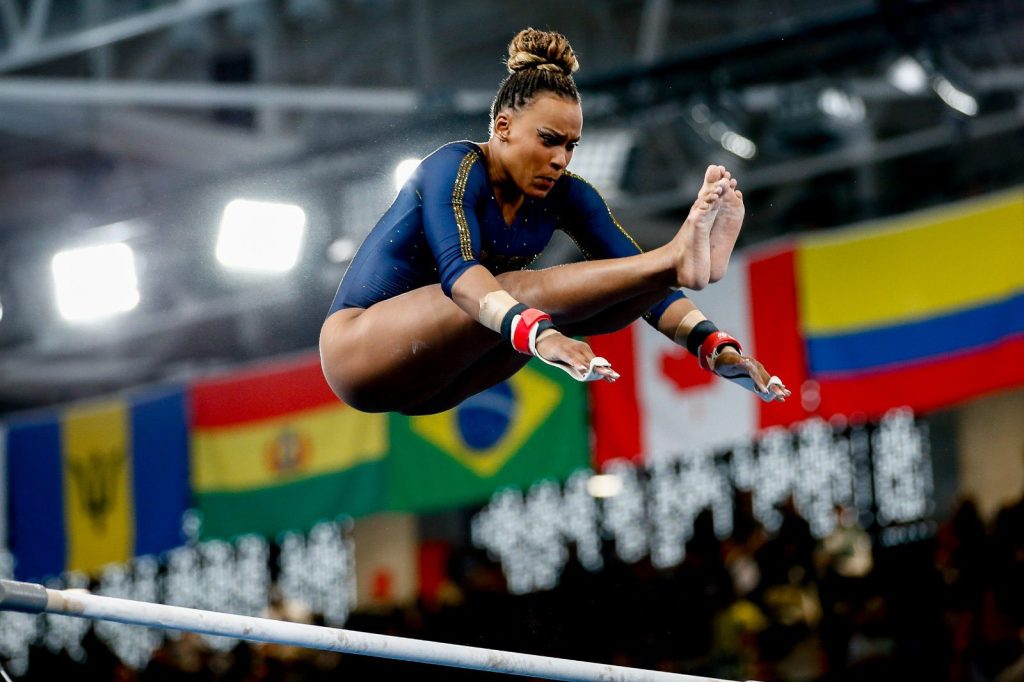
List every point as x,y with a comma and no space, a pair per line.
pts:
712,346
707,343
522,326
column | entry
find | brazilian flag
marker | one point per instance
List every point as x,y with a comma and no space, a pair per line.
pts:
532,426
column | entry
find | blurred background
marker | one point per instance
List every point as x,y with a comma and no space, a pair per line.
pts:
183,184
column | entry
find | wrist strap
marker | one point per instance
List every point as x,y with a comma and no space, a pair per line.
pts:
712,346
509,318
698,334
521,325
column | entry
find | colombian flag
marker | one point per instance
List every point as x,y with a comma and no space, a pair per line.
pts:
273,449
530,427
97,483
923,311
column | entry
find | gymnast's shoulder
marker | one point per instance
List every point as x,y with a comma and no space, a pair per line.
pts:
574,189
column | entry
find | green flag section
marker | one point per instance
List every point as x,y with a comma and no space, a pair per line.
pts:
531,427
274,450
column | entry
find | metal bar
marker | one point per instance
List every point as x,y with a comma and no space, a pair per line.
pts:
30,52
208,95
38,15
805,168
654,23
12,20
34,598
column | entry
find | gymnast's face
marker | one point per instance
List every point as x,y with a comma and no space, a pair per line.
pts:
537,142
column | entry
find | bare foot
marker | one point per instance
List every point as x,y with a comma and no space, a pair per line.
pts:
728,223
693,241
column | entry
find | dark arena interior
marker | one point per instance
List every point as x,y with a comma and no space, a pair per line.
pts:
184,183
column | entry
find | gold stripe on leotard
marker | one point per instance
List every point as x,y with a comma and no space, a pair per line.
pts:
568,233
458,196
610,215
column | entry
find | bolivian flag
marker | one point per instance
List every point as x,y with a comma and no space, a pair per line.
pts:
273,449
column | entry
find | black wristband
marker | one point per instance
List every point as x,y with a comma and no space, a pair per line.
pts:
700,331
544,325
506,322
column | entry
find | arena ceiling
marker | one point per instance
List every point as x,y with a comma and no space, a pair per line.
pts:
138,120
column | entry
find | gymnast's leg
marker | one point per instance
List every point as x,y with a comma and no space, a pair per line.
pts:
402,351
502,362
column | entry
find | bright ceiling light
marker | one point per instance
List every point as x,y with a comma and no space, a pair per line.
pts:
604,485
954,96
260,236
907,74
840,105
404,170
739,145
95,282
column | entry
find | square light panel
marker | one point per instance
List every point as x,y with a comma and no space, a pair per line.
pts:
95,282
260,236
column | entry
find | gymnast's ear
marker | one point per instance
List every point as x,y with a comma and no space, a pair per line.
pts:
500,128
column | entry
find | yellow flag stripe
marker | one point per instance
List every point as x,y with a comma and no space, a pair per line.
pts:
98,492
914,268
283,450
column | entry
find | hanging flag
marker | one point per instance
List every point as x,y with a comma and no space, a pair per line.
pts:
922,311
529,427
387,560
273,449
665,404
97,483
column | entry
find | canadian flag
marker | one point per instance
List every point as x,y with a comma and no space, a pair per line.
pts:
665,404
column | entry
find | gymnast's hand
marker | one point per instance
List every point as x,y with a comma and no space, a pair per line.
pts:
556,347
730,364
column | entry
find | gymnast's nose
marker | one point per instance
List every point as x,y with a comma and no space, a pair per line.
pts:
560,159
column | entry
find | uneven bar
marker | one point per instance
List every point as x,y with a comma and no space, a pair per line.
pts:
33,598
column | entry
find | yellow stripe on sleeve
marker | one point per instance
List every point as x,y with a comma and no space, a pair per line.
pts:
458,199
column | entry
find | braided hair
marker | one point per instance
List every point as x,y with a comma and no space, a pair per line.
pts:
538,61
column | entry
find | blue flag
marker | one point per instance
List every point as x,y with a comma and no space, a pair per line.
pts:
97,483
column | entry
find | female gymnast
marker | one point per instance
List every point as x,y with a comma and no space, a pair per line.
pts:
436,306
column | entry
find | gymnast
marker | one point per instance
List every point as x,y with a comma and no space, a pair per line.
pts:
436,306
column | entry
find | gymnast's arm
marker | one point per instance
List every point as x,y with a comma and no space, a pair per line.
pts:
591,225
595,230
452,185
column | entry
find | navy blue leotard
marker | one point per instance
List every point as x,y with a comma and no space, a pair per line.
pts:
446,219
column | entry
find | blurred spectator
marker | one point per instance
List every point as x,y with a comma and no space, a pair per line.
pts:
844,561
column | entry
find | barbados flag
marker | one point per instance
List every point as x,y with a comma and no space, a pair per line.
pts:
273,449
532,426
97,483
923,311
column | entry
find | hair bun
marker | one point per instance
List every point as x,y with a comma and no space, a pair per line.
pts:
545,50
